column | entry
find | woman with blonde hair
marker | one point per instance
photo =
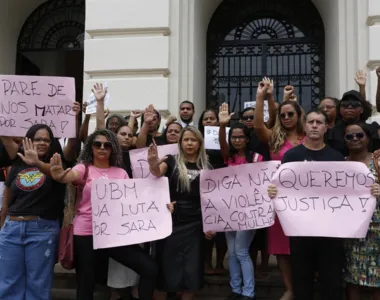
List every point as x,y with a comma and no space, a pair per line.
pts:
180,256
287,133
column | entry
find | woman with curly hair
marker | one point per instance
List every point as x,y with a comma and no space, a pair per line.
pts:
287,133
101,157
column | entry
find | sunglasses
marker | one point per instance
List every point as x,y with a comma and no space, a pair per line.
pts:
352,103
350,136
246,118
288,115
106,145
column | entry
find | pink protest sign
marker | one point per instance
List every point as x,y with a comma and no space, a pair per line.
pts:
139,159
129,211
235,198
29,100
328,199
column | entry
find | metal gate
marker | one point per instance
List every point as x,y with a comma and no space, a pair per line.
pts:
266,46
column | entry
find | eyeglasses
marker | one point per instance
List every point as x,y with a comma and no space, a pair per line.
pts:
42,140
246,118
288,115
352,103
328,107
106,145
239,137
350,136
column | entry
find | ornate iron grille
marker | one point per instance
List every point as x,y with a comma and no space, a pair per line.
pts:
265,46
54,25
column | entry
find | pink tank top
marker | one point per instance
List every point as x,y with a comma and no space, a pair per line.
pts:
285,147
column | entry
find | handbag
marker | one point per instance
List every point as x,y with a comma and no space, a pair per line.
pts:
66,235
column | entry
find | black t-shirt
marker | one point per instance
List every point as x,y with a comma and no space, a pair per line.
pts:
160,140
127,163
188,207
255,145
335,137
301,153
215,159
34,193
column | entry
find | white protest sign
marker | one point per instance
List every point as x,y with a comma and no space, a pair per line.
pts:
212,137
235,198
91,102
129,211
29,100
139,159
266,108
328,199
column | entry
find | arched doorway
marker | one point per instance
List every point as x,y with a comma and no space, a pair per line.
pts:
250,39
51,41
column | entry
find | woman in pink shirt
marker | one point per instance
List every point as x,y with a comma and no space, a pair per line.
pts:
101,157
287,132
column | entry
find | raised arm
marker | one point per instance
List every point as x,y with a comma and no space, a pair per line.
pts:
157,166
59,174
272,109
10,146
100,94
262,131
224,119
361,80
144,131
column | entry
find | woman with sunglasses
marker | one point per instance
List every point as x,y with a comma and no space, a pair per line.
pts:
363,255
237,152
101,157
352,108
209,117
287,133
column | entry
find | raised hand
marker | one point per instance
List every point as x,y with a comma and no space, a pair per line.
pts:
76,108
170,120
30,156
262,88
153,160
99,92
224,115
149,114
288,92
56,168
136,114
361,78
269,83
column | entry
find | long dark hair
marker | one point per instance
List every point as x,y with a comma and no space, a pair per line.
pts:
87,157
247,134
200,121
54,147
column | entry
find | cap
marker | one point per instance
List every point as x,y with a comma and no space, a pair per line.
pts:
353,94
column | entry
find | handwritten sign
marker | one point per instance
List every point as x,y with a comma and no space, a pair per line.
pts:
139,159
329,199
235,198
91,102
266,108
212,137
125,213
29,100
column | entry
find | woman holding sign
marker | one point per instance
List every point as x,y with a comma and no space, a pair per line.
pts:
180,256
100,158
237,152
363,255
